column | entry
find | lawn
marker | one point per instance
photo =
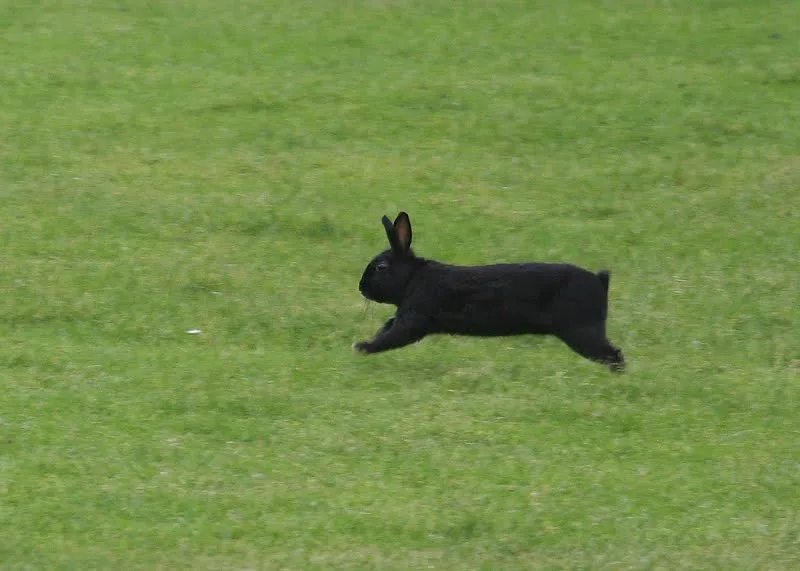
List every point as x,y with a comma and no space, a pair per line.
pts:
172,166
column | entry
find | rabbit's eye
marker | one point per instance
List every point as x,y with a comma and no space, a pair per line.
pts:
382,266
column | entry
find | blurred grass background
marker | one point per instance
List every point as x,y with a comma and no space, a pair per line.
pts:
172,166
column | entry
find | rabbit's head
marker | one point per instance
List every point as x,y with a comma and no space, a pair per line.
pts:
385,278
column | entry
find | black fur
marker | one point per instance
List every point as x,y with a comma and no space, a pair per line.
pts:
497,300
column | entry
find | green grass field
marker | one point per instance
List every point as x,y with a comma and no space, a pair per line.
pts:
166,166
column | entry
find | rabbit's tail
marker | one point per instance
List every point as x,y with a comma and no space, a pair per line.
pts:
605,277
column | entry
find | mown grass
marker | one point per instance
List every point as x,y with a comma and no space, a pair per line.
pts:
172,166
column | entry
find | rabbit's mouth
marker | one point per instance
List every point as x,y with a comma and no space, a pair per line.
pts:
374,290
370,295
363,288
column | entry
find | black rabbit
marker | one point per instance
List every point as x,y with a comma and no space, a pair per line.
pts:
503,299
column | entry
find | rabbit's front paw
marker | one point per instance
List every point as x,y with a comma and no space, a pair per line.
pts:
362,347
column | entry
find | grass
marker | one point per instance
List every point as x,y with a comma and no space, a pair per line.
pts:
171,166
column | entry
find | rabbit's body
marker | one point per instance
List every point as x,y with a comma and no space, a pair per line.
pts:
505,299
495,300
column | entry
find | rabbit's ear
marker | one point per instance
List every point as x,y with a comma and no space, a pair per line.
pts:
402,226
391,233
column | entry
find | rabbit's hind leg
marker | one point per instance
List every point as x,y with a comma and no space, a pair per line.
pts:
590,342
